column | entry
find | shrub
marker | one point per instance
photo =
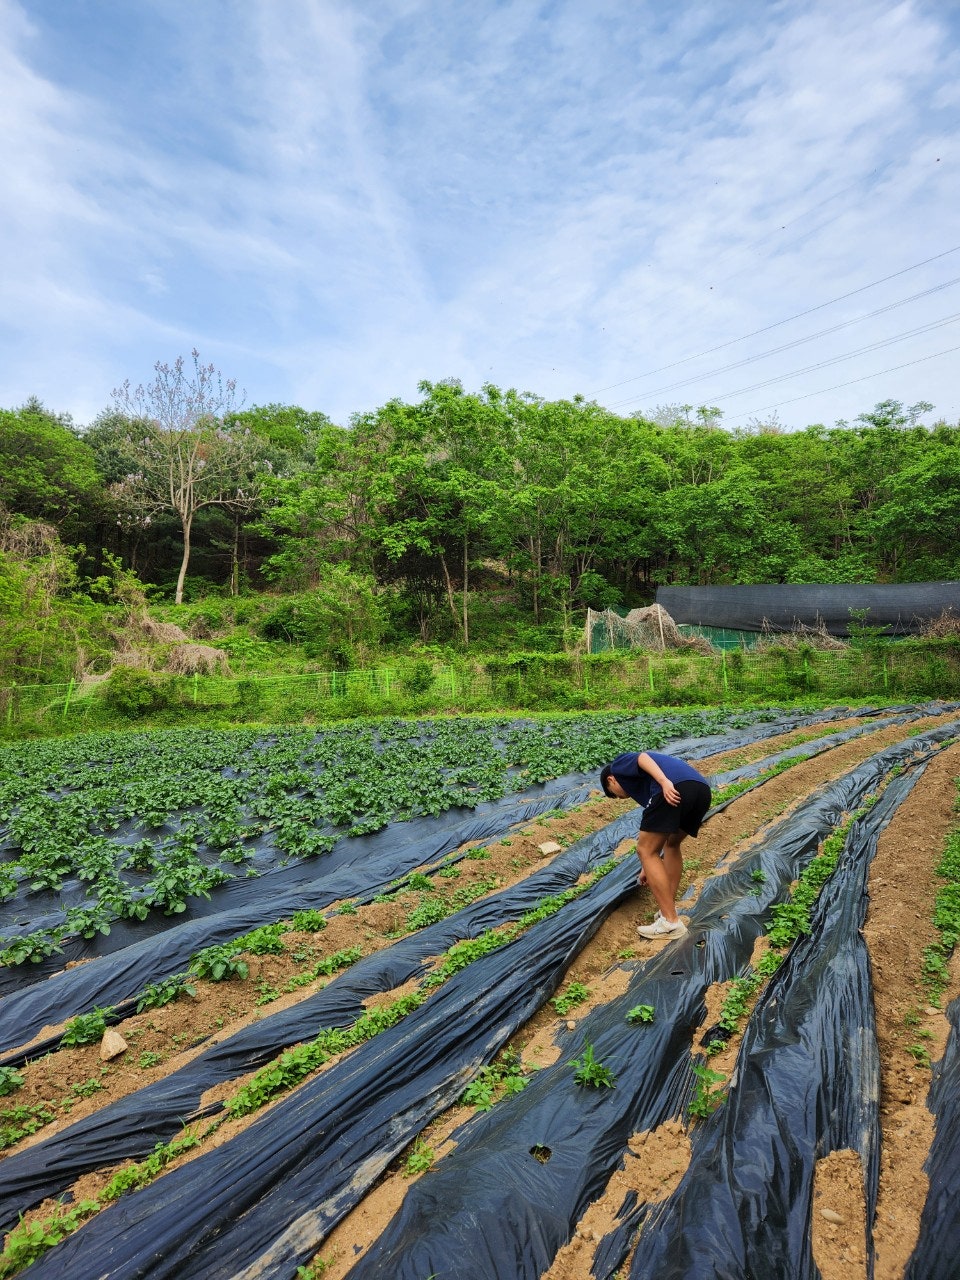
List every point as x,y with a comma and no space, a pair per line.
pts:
419,678
133,693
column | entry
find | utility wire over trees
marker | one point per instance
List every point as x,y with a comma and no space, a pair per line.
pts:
186,448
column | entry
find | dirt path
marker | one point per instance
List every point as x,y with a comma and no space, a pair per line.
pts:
899,926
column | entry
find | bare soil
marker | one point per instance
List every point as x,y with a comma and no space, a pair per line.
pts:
899,925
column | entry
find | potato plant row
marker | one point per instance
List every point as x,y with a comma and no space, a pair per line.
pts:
137,826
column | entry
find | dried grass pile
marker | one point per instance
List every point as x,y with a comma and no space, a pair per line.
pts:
650,629
197,659
946,627
157,632
801,636
149,645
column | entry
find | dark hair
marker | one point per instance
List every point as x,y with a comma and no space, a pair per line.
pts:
606,773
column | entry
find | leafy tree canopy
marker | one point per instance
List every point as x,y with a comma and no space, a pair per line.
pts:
48,473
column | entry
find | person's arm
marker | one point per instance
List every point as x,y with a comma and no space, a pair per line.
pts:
649,765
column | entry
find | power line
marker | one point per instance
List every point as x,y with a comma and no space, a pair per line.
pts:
788,346
766,329
824,364
853,381
849,355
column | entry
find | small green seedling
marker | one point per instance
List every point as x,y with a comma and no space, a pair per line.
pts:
641,1013
87,1088
706,1097
309,921
10,1080
499,1080
315,1272
419,1160
589,1072
156,994
575,994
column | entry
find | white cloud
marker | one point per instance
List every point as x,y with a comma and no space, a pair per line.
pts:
333,201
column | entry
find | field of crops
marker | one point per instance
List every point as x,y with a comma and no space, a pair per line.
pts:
377,1007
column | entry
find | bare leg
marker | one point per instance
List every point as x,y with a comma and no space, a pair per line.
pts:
673,860
659,876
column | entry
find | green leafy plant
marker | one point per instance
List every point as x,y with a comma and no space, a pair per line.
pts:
31,1240
265,941
641,1013
19,1122
315,1272
575,994
707,1096
737,1002
10,1080
156,994
34,947
500,1079
139,1174
86,1088
309,921
85,1028
589,1073
430,911
419,1160
218,964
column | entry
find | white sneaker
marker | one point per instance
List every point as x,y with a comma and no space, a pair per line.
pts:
661,928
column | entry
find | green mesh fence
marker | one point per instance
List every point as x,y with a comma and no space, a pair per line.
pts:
721,637
904,671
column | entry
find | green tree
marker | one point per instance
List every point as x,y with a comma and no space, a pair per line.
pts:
920,513
464,434
311,509
808,494
48,473
578,495
871,453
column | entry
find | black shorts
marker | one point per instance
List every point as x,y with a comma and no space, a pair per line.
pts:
686,816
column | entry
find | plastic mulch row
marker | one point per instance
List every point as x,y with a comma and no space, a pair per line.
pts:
267,1199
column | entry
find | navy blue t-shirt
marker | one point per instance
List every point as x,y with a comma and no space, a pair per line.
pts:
639,785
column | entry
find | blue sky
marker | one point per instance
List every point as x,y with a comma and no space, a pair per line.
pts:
333,199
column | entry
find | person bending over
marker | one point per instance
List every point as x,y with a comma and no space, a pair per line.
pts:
675,798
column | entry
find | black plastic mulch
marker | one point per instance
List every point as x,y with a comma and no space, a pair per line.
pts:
490,1208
